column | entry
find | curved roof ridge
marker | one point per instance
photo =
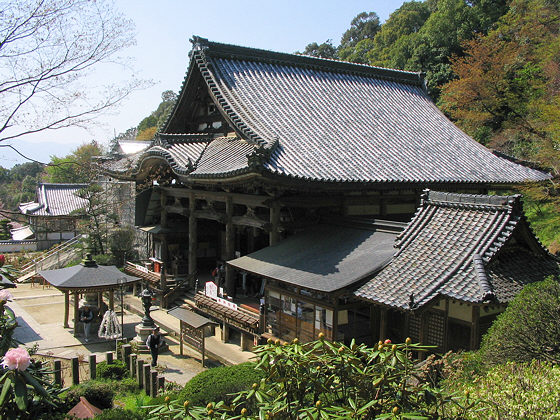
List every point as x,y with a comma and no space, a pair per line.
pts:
301,60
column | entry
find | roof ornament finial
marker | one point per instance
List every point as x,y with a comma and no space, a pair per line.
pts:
88,261
411,303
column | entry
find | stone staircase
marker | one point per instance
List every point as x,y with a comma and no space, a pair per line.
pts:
180,290
56,257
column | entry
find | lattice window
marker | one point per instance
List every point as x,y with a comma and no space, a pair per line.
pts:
414,328
435,329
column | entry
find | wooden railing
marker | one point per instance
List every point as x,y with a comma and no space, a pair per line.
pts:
141,271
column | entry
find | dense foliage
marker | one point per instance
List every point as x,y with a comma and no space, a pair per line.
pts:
149,125
513,391
218,383
330,380
529,329
116,370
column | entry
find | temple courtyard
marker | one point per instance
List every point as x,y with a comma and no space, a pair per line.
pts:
39,311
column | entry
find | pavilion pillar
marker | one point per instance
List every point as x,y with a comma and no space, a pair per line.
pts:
112,299
274,236
192,235
475,327
99,299
230,243
76,312
66,307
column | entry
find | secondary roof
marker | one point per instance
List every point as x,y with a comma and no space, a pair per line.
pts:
323,258
318,120
55,200
472,248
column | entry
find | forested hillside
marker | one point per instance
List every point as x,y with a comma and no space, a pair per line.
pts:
493,66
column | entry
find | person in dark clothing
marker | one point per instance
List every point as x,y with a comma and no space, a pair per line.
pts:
154,342
86,316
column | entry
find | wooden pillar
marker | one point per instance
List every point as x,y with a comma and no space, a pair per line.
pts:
147,377
382,324
274,236
192,234
112,299
57,369
181,338
251,234
475,327
230,242
374,323
99,300
203,350
92,366
66,307
163,203
446,327
75,370
76,312
423,333
140,373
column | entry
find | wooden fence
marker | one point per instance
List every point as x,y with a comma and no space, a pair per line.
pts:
71,370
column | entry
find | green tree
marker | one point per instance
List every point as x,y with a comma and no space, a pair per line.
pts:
98,220
76,167
149,125
403,22
358,39
529,329
324,50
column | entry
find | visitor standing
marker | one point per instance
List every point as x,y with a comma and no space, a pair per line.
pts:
86,316
154,342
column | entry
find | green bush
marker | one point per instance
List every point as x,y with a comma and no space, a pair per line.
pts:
97,393
116,370
528,329
120,414
104,259
515,391
215,384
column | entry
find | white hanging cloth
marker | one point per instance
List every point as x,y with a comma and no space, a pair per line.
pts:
110,327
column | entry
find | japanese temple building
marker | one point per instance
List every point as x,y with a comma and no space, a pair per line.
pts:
300,174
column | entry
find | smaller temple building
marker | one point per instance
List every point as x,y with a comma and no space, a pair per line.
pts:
457,264
51,216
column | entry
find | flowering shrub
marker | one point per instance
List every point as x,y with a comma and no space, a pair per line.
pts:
5,295
16,359
324,380
25,388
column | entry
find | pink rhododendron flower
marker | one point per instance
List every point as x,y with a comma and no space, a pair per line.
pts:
5,295
16,359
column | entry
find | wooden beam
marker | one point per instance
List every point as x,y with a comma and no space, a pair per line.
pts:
245,199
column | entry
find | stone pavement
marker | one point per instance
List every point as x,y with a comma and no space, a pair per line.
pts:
40,311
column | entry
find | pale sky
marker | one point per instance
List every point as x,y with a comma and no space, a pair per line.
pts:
163,30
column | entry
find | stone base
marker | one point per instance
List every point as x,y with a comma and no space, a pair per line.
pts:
142,334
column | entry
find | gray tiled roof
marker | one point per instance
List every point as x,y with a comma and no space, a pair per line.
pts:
55,200
460,246
332,121
323,257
